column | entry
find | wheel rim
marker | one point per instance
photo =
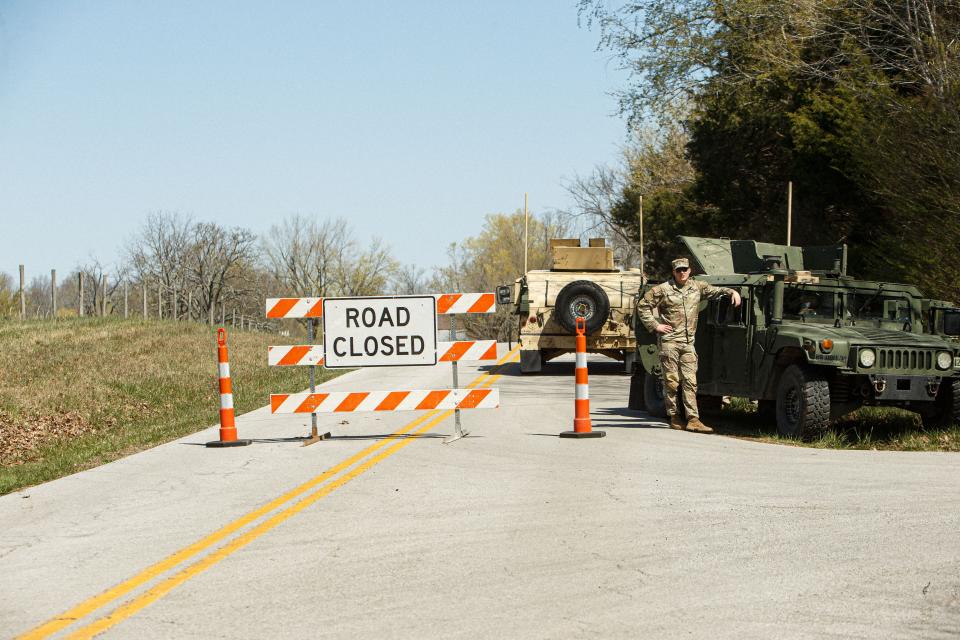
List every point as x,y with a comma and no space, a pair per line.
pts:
791,405
582,307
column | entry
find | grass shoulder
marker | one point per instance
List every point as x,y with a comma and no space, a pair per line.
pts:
84,391
869,428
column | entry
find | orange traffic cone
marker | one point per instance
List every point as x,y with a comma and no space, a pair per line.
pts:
228,430
581,420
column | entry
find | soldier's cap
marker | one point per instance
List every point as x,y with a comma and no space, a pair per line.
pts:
681,262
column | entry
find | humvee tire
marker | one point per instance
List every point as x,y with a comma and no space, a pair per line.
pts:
636,390
653,396
946,411
530,361
803,404
584,297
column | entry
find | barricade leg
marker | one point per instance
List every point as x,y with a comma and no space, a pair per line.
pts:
228,429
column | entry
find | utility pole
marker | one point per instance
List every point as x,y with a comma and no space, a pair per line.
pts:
641,238
526,232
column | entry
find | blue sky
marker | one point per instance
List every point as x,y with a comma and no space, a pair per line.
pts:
412,120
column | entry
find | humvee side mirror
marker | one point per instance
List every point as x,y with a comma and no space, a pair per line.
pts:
951,322
504,294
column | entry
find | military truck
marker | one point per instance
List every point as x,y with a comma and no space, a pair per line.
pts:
582,281
811,343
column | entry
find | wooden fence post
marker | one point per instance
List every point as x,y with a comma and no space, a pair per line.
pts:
126,300
80,294
103,297
145,311
53,292
23,298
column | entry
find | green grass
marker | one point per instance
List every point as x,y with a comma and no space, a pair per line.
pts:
874,428
81,392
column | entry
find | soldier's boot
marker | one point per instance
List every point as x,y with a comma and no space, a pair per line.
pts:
676,422
694,424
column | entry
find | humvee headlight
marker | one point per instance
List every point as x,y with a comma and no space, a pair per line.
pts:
944,360
867,357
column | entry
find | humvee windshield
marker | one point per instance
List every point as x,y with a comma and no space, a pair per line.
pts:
873,306
807,304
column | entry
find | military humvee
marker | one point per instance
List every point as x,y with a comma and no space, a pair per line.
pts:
810,342
583,281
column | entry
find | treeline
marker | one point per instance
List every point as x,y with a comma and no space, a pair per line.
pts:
176,267
857,102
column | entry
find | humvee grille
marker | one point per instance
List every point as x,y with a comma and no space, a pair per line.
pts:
911,359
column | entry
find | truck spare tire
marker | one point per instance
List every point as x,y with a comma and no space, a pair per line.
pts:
584,299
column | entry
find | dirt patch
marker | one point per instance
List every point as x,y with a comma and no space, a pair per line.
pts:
21,437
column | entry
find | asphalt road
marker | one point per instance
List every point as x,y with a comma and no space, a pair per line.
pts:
511,532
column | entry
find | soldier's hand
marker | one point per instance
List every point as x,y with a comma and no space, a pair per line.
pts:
736,299
664,328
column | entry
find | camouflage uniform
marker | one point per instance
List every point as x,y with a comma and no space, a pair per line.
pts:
678,307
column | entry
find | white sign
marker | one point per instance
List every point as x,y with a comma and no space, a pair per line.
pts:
379,332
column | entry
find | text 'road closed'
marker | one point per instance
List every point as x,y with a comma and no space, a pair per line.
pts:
371,332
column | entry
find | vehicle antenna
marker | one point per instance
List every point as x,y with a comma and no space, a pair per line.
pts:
789,210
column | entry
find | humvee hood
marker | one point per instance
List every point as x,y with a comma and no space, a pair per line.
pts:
882,337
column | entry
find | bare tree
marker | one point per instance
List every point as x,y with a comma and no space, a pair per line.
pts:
366,272
158,253
409,280
215,259
303,254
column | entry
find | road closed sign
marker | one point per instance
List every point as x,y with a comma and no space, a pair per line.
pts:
379,332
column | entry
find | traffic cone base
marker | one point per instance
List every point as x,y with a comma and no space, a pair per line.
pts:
582,434
228,443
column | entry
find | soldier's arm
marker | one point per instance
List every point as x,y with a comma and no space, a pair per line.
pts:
711,292
648,304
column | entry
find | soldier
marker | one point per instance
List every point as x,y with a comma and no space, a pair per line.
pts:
676,301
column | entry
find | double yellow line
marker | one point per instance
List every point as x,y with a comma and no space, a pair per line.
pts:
419,426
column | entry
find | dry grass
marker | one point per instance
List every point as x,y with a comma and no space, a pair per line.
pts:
875,428
81,392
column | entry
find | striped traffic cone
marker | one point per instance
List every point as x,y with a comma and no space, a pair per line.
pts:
228,430
581,419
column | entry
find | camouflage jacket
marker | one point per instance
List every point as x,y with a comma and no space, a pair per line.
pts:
677,307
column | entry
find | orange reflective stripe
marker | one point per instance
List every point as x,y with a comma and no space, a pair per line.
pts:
433,399
280,309
225,386
484,302
294,355
491,353
456,351
277,399
473,398
311,403
392,401
352,401
316,311
446,301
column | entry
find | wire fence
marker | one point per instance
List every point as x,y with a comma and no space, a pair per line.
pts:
85,296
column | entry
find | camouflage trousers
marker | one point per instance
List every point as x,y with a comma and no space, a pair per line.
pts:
679,363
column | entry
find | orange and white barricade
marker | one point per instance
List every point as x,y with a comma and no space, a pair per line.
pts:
314,402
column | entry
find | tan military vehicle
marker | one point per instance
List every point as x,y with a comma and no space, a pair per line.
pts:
582,281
